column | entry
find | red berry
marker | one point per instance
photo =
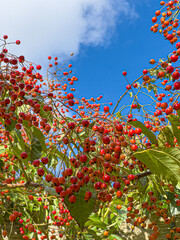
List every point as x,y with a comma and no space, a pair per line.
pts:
80,175
169,110
138,131
116,185
169,37
49,177
106,109
176,106
69,171
169,69
177,85
44,160
106,178
119,194
5,36
85,123
18,42
175,75
134,147
173,58
38,67
23,155
119,127
71,102
106,140
88,194
178,45
70,96
145,71
83,158
12,217
31,197
97,185
108,197
126,182
36,163
178,202
59,189
72,199
128,87
40,172
71,125
131,177
73,180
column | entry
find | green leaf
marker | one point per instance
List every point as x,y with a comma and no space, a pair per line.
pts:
165,136
130,94
151,136
163,162
81,210
155,89
91,235
53,160
18,152
11,126
1,164
35,149
31,207
174,120
114,236
27,129
156,186
150,87
117,201
41,214
2,150
33,132
30,235
47,115
95,221
38,97
143,184
118,114
19,139
178,112
138,107
51,190
39,135
60,155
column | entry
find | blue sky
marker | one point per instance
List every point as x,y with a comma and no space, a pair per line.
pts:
132,45
107,37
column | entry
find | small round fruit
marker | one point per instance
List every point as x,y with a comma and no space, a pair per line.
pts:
40,172
72,199
131,177
23,155
12,217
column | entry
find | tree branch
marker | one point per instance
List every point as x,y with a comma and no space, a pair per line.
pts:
139,175
32,184
144,174
17,185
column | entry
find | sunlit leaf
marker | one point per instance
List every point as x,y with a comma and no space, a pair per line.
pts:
151,136
163,162
81,210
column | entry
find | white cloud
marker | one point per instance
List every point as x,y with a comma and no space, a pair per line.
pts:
59,27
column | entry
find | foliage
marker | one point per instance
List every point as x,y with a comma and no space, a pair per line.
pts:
81,176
